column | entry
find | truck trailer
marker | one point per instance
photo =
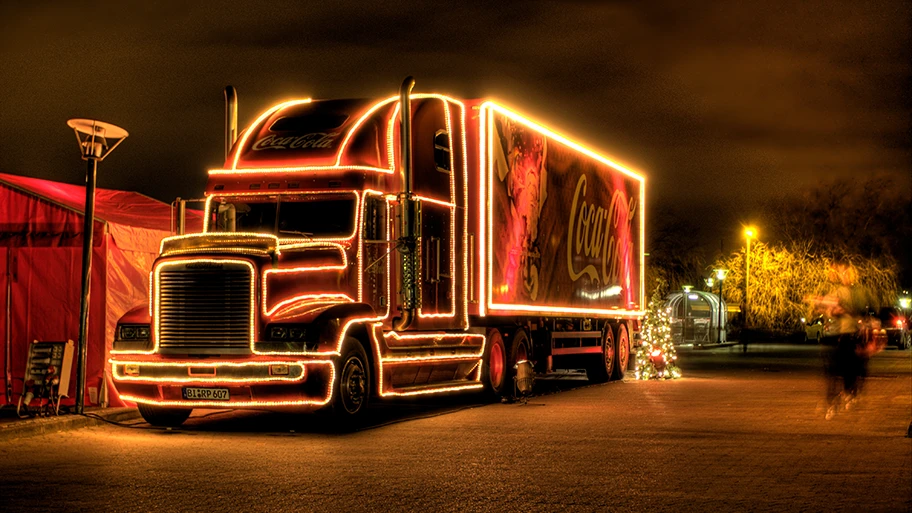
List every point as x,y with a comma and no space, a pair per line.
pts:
354,250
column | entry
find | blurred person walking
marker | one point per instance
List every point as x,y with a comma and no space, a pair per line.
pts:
846,350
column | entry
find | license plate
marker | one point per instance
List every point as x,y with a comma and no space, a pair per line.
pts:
205,394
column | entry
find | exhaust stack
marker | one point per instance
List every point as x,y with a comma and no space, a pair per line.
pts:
408,214
230,118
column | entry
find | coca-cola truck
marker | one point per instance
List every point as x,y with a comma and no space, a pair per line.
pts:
355,250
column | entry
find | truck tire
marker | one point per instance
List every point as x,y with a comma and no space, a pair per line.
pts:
163,417
601,367
352,384
623,352
494,364
520,349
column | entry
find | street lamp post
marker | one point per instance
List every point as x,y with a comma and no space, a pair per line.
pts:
687,289
96,141
709,284
749,233
720,277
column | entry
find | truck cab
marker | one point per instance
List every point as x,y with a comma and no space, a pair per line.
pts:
290,295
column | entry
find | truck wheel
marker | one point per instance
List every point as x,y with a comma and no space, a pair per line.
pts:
352,384
905,340
623,352
494,364
163,417
602,366
520,349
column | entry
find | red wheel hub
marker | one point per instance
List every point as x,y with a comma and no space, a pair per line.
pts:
496,362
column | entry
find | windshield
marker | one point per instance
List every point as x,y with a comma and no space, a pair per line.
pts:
286,216
888,314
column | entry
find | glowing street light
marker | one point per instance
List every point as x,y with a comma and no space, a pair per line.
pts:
749,233
96,141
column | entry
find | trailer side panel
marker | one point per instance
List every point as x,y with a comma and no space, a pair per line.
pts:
564,225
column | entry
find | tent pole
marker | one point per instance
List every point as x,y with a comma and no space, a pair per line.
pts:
9,320
91,169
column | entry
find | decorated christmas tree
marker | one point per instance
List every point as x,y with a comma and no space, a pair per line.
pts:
656,357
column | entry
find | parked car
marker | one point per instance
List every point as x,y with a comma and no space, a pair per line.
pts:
892,324
816,328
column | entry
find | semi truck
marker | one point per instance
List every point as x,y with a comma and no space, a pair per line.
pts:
356,250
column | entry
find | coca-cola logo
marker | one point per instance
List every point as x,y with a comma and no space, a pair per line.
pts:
600,233
295,142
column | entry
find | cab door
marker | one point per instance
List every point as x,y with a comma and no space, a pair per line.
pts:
376,253
437,294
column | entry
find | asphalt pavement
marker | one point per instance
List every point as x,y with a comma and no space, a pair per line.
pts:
739,432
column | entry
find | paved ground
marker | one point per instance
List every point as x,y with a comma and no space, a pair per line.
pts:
738,432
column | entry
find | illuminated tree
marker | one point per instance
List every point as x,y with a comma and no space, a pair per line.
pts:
656,357
786,283
847,219
865,224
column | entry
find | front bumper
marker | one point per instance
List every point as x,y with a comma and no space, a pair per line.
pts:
250,383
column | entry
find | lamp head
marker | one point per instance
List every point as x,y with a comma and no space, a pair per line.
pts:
96,139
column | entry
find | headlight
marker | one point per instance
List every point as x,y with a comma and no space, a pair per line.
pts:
283,333
133,332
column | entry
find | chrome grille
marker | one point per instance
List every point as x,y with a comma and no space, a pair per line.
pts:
205,310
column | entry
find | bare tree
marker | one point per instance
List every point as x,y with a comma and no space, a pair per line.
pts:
675,257
865,217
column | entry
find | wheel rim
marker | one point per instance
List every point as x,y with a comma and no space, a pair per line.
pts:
496,362
522,353
623,352
609,354
353,384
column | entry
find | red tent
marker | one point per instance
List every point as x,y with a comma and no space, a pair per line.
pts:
41,229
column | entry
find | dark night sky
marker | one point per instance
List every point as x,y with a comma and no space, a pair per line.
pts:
718,103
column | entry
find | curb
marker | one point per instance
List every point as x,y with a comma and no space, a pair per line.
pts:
40,426
714,345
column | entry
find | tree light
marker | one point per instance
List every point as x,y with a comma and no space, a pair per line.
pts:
656,356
